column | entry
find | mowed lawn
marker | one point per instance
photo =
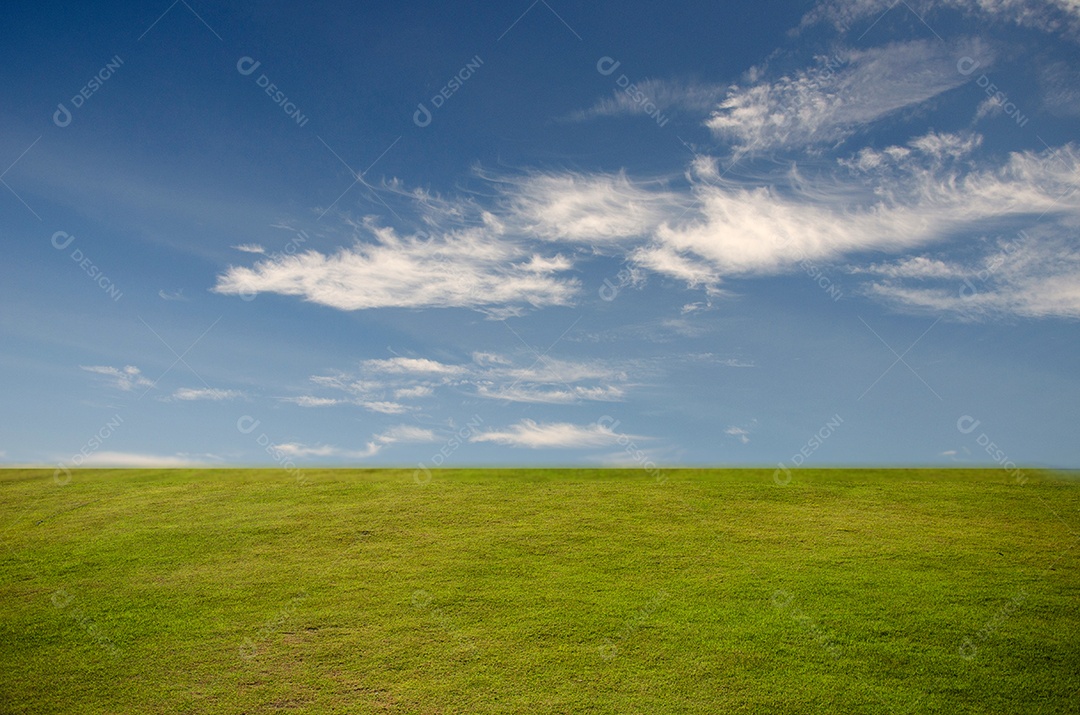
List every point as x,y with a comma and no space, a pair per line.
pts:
539,591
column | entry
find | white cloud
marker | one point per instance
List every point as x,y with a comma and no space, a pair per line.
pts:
946,146
932,191
361,393
383,407
176,295
827,103
1059,85
1056,16
394,435
895,201
481,358
663,95
126,378
566,396
476,267
412,393
547,380
404,365
550,435
915,267
137,459
311,401
343,381
1036,276
739,433
902,200
556,371
250,248
989,108
405,433
297,450
673,261
588,208
216,395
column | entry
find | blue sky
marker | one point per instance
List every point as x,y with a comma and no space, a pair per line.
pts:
622,234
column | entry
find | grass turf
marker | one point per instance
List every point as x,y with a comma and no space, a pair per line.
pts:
540,591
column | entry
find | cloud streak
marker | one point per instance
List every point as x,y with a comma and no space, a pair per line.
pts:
826,104
394,435
1052,16
189,394
545,380
473,268
126,379
132,460
691,97
551,435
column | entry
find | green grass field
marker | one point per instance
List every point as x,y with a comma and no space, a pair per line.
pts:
539,591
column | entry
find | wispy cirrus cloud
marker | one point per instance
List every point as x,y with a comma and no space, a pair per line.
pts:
143,460
1033,275
385,407
937,188
411,366
671,94
826,104
476,267
1059,83
551,435
740,433
596,209
413,393
1055,16
931,191
189,394
311,401
394,435
896,200
554,396
125,378
546,380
